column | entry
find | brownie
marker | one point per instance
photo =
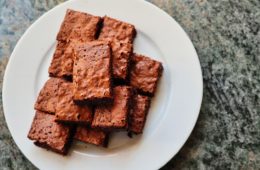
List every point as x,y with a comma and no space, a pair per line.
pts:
92,136
113,29
69,112
138,113
62,61
145,73
49,134
121,53
48,96
121,36
92,72
78,26
115,115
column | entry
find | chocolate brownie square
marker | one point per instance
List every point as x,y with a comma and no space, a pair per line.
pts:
121,53
145,73
48,97
92,136
138,113
92,72
115,115
78,26
69,112
113,29
62,61
49,134
120,35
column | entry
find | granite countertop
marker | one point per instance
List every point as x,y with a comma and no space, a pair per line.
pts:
226,35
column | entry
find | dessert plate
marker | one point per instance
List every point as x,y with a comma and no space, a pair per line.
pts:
174,111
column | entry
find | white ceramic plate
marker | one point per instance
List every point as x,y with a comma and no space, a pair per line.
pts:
174,110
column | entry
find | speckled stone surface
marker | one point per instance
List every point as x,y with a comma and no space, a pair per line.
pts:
226,35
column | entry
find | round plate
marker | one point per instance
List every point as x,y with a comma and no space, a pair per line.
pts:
174,109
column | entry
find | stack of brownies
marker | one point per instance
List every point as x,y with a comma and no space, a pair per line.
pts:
97,84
